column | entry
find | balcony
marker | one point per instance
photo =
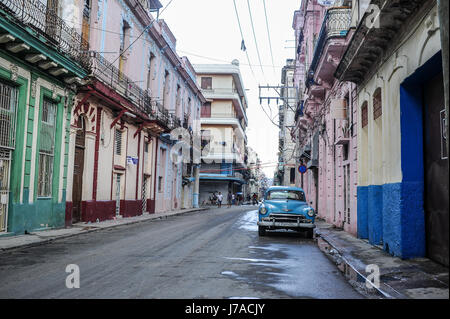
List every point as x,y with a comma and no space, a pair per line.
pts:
47,27
105,72
329,47
227,94
369,43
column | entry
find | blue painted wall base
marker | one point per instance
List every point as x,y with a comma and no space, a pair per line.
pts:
362,211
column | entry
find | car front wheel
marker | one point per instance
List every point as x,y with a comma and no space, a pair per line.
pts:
261,231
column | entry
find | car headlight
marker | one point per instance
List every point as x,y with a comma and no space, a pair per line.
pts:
263,210
311,212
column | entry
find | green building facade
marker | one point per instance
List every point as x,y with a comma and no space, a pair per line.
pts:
42,60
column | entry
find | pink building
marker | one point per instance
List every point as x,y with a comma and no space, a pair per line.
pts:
138,91
327,115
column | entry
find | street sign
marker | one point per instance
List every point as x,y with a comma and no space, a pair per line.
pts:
302,169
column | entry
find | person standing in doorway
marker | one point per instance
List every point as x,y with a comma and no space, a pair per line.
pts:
219,200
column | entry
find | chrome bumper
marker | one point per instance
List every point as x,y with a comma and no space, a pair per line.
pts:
281,224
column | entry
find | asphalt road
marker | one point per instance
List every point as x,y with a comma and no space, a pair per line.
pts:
209,254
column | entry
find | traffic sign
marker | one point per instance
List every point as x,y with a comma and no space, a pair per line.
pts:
302,169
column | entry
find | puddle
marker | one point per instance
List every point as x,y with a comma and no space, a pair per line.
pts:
300,271
249,221
229,273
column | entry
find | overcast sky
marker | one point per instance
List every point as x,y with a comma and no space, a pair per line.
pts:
207,31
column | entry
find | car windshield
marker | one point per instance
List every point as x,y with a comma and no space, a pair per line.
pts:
286,194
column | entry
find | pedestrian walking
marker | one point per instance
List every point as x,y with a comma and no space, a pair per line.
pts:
229,199
219,200
233,199
255,199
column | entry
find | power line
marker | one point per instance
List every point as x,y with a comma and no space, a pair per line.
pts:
221,60
143,31
242,37
268,34
254,36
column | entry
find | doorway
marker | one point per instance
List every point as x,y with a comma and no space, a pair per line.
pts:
436,171
78,168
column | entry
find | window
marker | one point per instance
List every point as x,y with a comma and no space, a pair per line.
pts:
292,175
345,152
151,70
118,142
178,100
166,89
46,148
377,104
286,194
160,186
206,83
364,115
8,106
85,24
124,43
206,110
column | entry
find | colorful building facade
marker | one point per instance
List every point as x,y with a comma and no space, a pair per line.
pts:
42,60
123,159
396,62
326,115
223,124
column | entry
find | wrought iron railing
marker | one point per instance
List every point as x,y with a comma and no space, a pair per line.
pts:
45,21
220,91
104,71
336,23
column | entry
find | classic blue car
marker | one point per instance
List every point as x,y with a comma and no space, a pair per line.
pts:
285,208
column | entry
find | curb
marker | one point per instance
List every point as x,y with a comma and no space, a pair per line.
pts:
94,229
357,279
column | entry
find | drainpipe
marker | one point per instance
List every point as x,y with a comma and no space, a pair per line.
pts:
196,186
96,152
156,171
443,20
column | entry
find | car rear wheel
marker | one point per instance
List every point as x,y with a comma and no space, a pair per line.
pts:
261,231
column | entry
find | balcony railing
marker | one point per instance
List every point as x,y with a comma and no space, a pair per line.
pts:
220,91
224,115
45,21
336,24
103,70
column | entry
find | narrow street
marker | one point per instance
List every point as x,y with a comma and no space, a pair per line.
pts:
215,253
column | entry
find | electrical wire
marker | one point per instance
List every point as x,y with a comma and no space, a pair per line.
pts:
268,34
242,36
143,31
254,37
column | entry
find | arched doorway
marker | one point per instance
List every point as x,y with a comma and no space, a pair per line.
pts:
78,168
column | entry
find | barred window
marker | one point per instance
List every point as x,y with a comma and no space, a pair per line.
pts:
8,106
46,148
364,115
377,104
118,138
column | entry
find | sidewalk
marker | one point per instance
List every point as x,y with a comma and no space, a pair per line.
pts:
418,278
45,236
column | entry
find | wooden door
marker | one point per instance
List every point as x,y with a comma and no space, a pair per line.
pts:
436,172
78,169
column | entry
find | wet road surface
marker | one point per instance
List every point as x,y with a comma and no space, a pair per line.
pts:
209,254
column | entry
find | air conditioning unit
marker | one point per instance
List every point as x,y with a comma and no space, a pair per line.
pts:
338,109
